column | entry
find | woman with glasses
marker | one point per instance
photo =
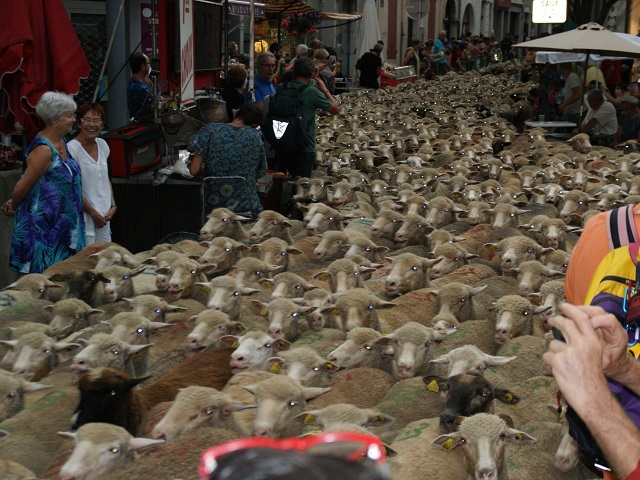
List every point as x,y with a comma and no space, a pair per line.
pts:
92,153
47,200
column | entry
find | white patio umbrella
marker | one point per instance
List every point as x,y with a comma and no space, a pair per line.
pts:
369,32
589,39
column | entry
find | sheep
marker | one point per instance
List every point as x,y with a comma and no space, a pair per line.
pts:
37,284
320,299
152,307
551,295
342,275
484,437
573,202
357,308
224,223
15,471
251,270
441,212
223,252
580,143
411,349
133,328
408,272
515,250
83,284
69,315
184,273
270,224
439,237
531,275
115,255
457,299
106,351
286,318
413,231
361,349
280,399
340,415
287,285
324,218
449,257
304,365
469,359
466,394
557,260
275,253
128,407
253,350
36,354
332,246
477,212
12,391
568,453
386,224
198,407
365,247
164,261
120,283
211,325
506,215
225,294
514,317
99,449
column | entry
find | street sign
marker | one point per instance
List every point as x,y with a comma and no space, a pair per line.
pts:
549,11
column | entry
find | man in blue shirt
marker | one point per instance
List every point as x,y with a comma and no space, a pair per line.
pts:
139,94
263,82
438,46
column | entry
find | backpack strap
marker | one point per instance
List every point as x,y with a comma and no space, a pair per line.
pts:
621,227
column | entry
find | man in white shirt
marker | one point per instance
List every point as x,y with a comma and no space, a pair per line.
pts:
601,122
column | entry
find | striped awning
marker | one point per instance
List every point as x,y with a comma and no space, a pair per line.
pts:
284,8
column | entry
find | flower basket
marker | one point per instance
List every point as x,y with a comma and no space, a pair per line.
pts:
302,24
9,157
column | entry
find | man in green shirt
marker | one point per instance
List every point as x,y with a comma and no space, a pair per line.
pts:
300,164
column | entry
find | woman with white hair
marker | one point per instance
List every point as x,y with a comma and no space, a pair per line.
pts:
47,200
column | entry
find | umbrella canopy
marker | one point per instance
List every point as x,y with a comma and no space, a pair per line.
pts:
588,38
39,51
369,32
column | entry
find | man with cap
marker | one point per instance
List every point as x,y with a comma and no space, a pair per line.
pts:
629,121
370,65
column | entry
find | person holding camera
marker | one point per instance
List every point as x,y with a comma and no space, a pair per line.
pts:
328,70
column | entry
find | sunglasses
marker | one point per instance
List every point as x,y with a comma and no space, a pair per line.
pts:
348,445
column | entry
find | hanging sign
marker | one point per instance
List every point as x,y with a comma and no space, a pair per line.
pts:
187,91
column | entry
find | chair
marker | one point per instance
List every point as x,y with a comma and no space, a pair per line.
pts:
203,193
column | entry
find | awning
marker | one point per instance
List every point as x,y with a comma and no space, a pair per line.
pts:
295,6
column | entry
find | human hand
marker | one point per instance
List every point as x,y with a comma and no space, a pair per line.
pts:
148,81
98,220
109,215
7,208
577,363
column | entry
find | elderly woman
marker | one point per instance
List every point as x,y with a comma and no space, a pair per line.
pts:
47,200
231,149
92,153
327,71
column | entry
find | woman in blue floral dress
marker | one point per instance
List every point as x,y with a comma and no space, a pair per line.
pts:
47,200
231,149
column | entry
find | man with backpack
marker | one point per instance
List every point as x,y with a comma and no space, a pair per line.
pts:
290,126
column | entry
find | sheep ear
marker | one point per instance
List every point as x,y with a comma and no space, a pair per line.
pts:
506,418
4,435
280,344
138,443
276,364
448,442
329,367
230,407
496,360
94,311
312,392
34,387
229,341
61,346
158,325
477,290
135,350
70,435
435,384
293,251
518,437
308,418
266,282
379,419
542,309
9,343
442,360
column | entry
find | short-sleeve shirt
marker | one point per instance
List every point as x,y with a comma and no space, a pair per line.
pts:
263,88
438,47
312,99
139,98
606,117
369,70
573,80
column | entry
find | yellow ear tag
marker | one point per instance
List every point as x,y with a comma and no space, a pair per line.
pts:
263,311
517,436
328,366
335,312
433,387
235,345
268,284
381,418
447,446
275,368
309,419
323,277
508,397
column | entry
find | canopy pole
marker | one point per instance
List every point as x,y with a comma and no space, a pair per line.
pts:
252,40
584,90
106,57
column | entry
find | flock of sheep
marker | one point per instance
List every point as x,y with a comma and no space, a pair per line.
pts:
410,303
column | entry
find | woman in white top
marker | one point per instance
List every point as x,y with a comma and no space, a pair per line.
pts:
91,153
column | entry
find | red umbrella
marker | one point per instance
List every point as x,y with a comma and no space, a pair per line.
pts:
39,51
